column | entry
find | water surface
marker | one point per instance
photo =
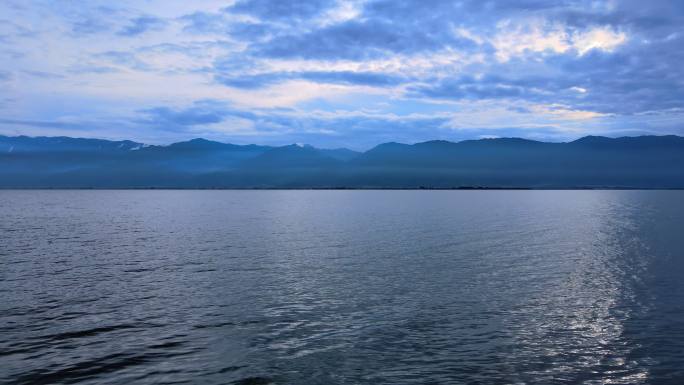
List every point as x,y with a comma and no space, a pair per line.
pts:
342,287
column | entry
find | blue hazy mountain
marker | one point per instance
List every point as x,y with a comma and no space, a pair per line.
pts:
63,144
30,160
291,157
343,154
195,156
589,162
292,166
647,161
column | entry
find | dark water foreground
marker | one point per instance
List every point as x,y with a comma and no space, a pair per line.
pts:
342,287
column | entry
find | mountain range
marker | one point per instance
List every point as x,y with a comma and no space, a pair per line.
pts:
589,162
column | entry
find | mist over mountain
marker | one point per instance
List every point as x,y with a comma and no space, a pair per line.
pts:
589,162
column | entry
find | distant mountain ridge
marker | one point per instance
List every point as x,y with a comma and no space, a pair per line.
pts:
588,162
62,143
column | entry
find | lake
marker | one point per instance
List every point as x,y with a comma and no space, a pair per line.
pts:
342,287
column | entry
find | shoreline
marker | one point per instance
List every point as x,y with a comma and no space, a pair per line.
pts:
603,188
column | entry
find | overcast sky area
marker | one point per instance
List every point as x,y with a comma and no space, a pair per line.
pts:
341,73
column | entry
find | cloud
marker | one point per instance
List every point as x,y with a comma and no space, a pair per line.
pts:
280,10
42,74
142,24
535,37
355,71
205,22
597,38
39,123
216,119
358,40
192,116
123,58
89,26
85,21
470,88
376,79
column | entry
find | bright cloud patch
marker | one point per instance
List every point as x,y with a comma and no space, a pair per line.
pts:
538,37
598,38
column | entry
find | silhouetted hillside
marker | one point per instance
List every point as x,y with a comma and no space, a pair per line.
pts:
589,162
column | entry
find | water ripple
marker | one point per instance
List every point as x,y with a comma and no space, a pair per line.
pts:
342,287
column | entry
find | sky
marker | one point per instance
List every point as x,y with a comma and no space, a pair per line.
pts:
334,73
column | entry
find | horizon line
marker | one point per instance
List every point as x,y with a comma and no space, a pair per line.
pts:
341,148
